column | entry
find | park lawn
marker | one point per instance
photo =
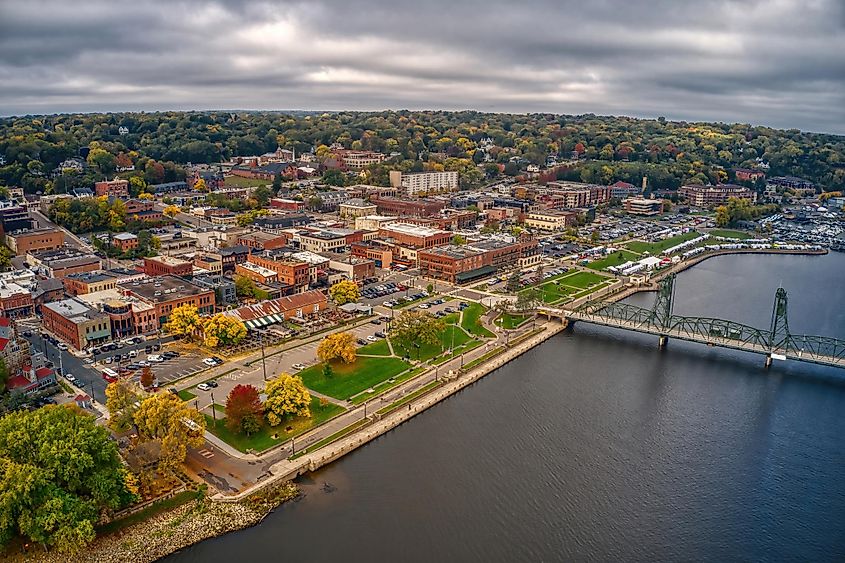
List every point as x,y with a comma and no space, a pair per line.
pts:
428,351
379,348
263,439
471,320
380,388
729,233
185,395
511,321
582,280
350,379
593,289
654,248
238,182
615,259
552,292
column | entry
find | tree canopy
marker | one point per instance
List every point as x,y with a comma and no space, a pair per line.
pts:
338,346
286,396
58,470
344,291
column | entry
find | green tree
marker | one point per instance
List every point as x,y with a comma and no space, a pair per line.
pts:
514,282
417,327
58,471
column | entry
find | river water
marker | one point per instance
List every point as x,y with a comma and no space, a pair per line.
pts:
597,446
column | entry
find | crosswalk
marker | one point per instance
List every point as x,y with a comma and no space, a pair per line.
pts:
206,453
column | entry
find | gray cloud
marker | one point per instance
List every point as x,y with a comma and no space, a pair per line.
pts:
773,62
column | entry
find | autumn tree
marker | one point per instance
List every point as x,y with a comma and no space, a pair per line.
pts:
344,291
244,410
417,327
222,330
200,185
184,321
286,396
122,399
166,419
172,210
59,471
338,346
147,378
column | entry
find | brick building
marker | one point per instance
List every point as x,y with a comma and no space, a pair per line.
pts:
22,242
301,305
167,266
405,207
113,188
62,262
256,273
76,323
414,236
259,240
293,273
124,241
165,293
706,196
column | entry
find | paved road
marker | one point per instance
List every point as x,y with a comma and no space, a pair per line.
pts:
186,218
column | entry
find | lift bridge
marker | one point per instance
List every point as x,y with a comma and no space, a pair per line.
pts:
775,342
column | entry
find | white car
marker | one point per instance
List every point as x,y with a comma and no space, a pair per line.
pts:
144,363
424,305
70,377
61,346
209,362
133,353
298,367
155,358
371,338
203,387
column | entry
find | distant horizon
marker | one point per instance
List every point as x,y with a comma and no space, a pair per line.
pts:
772,62
397,110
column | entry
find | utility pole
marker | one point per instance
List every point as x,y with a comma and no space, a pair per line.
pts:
213,410
263,363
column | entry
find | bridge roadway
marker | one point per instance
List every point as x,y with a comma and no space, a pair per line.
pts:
775,342
709,339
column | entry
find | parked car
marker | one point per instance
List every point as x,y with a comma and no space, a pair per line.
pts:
212,384
155,358
203,387
375,322
148,349
379,334
70,377
217,359
61,346
209,362
173,390
133,353
298,367
372,338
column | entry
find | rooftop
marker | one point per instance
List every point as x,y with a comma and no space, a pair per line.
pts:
74,310
164,288
412,230
453,251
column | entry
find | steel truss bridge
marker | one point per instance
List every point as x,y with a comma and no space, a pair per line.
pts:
775,342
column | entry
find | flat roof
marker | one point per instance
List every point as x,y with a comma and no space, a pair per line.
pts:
168,260
413,230
164,288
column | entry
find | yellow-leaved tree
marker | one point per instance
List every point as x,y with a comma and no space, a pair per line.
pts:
122,398
146,196
286,396
344,291
172,210
165,418
336,346
184,321
222,330
200,186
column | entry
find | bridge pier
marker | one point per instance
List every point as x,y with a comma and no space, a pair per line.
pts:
663,341
768,360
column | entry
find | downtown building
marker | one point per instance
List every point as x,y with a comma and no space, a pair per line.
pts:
423,183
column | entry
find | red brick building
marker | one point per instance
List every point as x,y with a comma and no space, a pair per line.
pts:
294,273
114,188
414,236
406,207
167,266
259,240
124,241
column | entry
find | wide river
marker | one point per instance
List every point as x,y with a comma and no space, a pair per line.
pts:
597,446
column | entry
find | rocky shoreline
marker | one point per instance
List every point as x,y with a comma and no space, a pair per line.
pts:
169,532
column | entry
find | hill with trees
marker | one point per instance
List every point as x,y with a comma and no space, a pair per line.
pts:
149,148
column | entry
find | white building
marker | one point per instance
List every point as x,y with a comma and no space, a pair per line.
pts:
424,182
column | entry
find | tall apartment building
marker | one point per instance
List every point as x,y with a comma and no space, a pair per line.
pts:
705,196
424,182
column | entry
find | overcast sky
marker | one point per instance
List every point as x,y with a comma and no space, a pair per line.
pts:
772,62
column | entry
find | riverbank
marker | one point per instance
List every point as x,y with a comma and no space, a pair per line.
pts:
167,533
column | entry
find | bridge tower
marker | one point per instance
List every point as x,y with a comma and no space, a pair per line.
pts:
662,310
779,330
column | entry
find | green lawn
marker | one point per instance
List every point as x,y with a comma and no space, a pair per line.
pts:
615,259
471,322
654,248
185,395
263,439
552,292
511,321
582,280
387,384
728,233
238,182
350,379
379,348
